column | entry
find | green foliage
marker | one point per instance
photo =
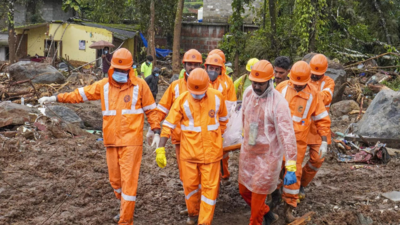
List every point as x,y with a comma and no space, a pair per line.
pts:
194,5
393,84
75,5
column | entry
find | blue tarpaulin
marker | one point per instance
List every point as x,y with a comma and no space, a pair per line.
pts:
159,52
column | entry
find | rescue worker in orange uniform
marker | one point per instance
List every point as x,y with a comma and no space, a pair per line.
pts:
202,115
268,135
230,101
124,100
191,60
306,107
325,85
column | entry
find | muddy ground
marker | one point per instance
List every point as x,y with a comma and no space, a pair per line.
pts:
65,181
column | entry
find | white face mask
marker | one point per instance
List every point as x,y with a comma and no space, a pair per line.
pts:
198,97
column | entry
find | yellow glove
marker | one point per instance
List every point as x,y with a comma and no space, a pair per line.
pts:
291,166
160,158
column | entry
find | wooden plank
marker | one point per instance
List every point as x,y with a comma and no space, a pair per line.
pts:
304,219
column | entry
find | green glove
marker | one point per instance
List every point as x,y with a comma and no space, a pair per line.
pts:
160,158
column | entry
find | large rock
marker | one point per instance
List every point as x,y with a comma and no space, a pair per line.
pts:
337,73
65,113
90,113
344,107
382,118
41,72
12,114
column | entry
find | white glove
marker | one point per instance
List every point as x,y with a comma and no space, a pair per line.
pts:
323,149
156,140
149,136
45,100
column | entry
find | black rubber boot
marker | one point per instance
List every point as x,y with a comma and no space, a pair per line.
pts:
270,218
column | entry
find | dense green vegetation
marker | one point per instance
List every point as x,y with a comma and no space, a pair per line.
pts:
343,29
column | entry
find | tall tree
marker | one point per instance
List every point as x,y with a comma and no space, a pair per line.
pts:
239,37
151,33
11,31
177,37
272,16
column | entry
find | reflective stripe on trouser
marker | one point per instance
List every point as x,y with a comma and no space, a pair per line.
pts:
225,166
123,170
201,204
178,160
290,193
312,166
256,203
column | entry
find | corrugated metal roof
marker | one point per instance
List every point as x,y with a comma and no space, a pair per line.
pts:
118,33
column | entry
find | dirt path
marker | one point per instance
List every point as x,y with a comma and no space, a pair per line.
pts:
37,177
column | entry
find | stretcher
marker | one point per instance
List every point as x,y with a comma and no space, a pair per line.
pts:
232,148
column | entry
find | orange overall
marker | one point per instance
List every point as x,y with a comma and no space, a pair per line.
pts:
325,85
305,106
202,124
123,107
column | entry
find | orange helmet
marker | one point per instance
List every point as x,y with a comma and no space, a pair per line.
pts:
198,81
319,64
214,60
262,71
219,52
192,56
300,73
122,59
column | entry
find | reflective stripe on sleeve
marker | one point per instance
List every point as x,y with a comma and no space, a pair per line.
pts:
207,200
128,197
225,118
149,107
163,109
320,116
328,90
82,93
118,190
107,112
133,109
168,124
289,191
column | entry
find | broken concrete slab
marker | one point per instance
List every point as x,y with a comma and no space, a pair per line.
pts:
381,120
41,73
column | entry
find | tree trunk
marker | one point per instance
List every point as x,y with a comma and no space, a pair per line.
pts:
236,64
11,31
383,22
313,27
177,38
272,16
151,48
